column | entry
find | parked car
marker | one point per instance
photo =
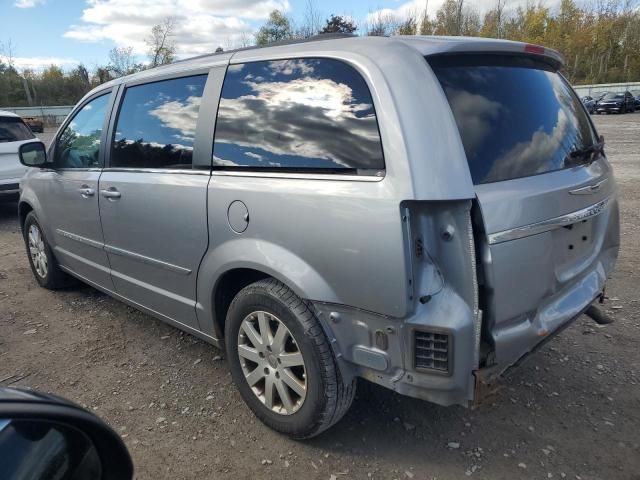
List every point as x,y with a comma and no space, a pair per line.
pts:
336,208
34,123
622,102
589,103
599,96
13,133
636,95
45,437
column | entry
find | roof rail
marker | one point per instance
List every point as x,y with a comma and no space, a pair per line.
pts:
314,38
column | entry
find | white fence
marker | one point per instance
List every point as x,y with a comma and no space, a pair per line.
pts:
583,90
50,115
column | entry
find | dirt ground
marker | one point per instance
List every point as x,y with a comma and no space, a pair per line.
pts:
572,411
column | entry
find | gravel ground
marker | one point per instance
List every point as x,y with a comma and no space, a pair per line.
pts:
572,411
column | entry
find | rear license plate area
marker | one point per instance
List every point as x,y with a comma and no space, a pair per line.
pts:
573,243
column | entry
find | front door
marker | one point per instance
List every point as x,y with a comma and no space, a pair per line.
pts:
69,193
153,202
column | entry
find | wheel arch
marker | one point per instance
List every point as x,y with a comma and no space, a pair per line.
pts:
236,264
24,208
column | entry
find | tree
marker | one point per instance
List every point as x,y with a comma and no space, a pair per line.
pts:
339,24
409,26
102,75
277,28
312,20
382,24
492,26
122,62
161,49
448,18
426,25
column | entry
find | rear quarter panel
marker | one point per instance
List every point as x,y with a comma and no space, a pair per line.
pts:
331,241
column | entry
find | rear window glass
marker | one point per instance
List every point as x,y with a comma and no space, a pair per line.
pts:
13,129
517,117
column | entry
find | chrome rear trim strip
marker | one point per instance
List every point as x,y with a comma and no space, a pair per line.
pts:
547,225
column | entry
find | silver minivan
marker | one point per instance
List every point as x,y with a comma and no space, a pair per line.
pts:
420,212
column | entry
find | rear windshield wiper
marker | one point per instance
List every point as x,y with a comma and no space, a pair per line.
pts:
591,150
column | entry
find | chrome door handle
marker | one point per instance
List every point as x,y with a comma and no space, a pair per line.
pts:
87,192
111,193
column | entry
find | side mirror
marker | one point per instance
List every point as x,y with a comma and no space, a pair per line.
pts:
44,437
33,154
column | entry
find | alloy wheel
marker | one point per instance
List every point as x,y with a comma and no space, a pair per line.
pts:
272,362
37,251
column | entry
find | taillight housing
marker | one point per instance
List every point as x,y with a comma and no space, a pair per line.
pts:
537,49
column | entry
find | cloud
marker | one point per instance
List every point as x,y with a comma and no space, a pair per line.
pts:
28,3
534,155
38,63
200,25
179,116
474,115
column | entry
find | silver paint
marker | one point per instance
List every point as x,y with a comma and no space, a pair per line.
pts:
347,244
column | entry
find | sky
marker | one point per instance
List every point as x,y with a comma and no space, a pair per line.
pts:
68,32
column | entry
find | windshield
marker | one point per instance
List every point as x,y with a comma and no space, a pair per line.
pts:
14,130
614,96
517,117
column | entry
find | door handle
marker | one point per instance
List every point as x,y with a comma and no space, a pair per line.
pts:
110,193
87,191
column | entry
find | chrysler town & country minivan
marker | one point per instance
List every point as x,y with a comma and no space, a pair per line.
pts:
394,209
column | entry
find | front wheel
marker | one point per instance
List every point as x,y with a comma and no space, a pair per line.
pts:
43,263
282,363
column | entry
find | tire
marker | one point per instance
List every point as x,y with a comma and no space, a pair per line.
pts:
39,253
267,304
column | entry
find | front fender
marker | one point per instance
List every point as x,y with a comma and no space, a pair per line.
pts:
28,197
265,257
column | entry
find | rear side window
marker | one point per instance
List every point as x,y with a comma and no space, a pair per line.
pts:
13,129
517,117
157,124
304,114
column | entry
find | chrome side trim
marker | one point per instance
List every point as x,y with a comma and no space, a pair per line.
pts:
589,189
88,169
78,238
125,253
300,176
547,225
158,170
148,260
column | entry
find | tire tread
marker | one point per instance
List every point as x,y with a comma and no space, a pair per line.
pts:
339,394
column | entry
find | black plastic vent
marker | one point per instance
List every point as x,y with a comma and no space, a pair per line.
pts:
432,351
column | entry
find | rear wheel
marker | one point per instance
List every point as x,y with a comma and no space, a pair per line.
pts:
282,363
43,264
